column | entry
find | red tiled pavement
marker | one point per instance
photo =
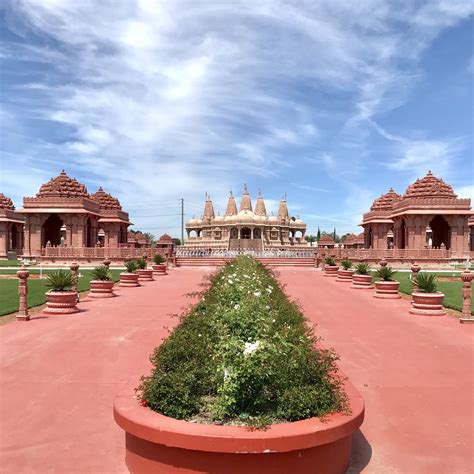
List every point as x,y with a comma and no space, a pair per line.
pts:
59,376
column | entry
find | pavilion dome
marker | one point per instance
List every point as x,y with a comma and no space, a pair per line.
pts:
273,218
385,202
63,187
218,218
106,200
298,220
165,237
192,220
428,187
6,203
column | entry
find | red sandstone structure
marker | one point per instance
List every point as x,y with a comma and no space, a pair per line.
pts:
428,216
11,227
246,229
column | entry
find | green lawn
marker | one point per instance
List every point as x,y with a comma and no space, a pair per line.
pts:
36,290
10,263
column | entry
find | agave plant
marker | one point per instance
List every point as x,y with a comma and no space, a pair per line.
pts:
141,264
131,266
158,259
346,264
60,280
426,282
330,261
385,273
101,273
362,268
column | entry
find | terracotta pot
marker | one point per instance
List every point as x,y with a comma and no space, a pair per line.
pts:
145,274
102,289
344,276
129,279
427,304
330,270
362,282
157,443
160,269
61,302
387,290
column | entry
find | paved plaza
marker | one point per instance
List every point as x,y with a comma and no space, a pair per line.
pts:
59,376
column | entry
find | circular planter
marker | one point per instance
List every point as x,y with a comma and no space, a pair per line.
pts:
330,270
362,282
61,302
160,269
387,290
345,276
145,274
102,289
157,443
129,279
427,304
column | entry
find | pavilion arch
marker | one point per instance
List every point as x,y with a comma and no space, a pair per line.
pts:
193,233
298,234
234,233
52,230
245,233
257,233
441,232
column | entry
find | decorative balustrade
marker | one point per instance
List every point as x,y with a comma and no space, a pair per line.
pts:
92,253
189,253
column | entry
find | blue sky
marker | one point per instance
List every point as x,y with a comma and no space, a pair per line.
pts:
329,101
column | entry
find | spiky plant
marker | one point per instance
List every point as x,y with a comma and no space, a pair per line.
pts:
426,282
385,273
362,268
60,280
101,273
330,261
346,264
141,264
158,259
131,266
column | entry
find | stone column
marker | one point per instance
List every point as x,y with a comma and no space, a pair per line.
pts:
22,275
466,277
415,268
75,276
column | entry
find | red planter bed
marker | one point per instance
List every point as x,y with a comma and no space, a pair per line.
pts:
160,269
427,304
157,443
331,271
345,276
61,302
387,290
129,279
101,289
362,282
145,274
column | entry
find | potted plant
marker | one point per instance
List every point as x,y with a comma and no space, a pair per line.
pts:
345,273
330,267
144,273
159,267
101,284
386,287
60,299
362,279
129,278
426,301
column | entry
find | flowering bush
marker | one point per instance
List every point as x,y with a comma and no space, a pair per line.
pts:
243,355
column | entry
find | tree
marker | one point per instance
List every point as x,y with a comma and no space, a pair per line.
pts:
318,236
176,241
150,237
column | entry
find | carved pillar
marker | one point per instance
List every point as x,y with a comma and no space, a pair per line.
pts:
75,277
415,268
466,277
22,275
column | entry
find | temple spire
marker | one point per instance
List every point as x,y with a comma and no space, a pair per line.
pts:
231,209
283,209
260,209
245,203
208,209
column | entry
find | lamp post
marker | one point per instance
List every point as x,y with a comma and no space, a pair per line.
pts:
22,275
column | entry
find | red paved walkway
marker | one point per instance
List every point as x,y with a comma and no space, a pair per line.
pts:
59,376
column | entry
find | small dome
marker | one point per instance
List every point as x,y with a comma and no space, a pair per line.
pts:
192,220
6,203
106,200
62,186
165,237
429,186
385,202
273,218
218,218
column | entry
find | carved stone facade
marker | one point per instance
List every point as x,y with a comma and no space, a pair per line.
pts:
11,228
246,229
64,214
428,215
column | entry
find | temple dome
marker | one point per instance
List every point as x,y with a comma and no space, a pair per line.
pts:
166,237
192,220
106,200
218,218
62,186
428,187
6,203
385,202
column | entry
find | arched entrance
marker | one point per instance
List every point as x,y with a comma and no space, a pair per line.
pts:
403,230
245,233
257,234
14,238
370,239
234,233
52,230
441,232
89,242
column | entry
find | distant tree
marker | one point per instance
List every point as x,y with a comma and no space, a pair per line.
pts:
176,241
334,235
310,238
344,237
318,236
150,237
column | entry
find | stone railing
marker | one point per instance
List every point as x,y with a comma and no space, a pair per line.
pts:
185,252
92,253
390,254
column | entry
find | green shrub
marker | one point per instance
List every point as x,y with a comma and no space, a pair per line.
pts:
362,268
101,273
426,282
158,259
60,280
346,264
243,355
385,273
141,263
130,266
330,261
